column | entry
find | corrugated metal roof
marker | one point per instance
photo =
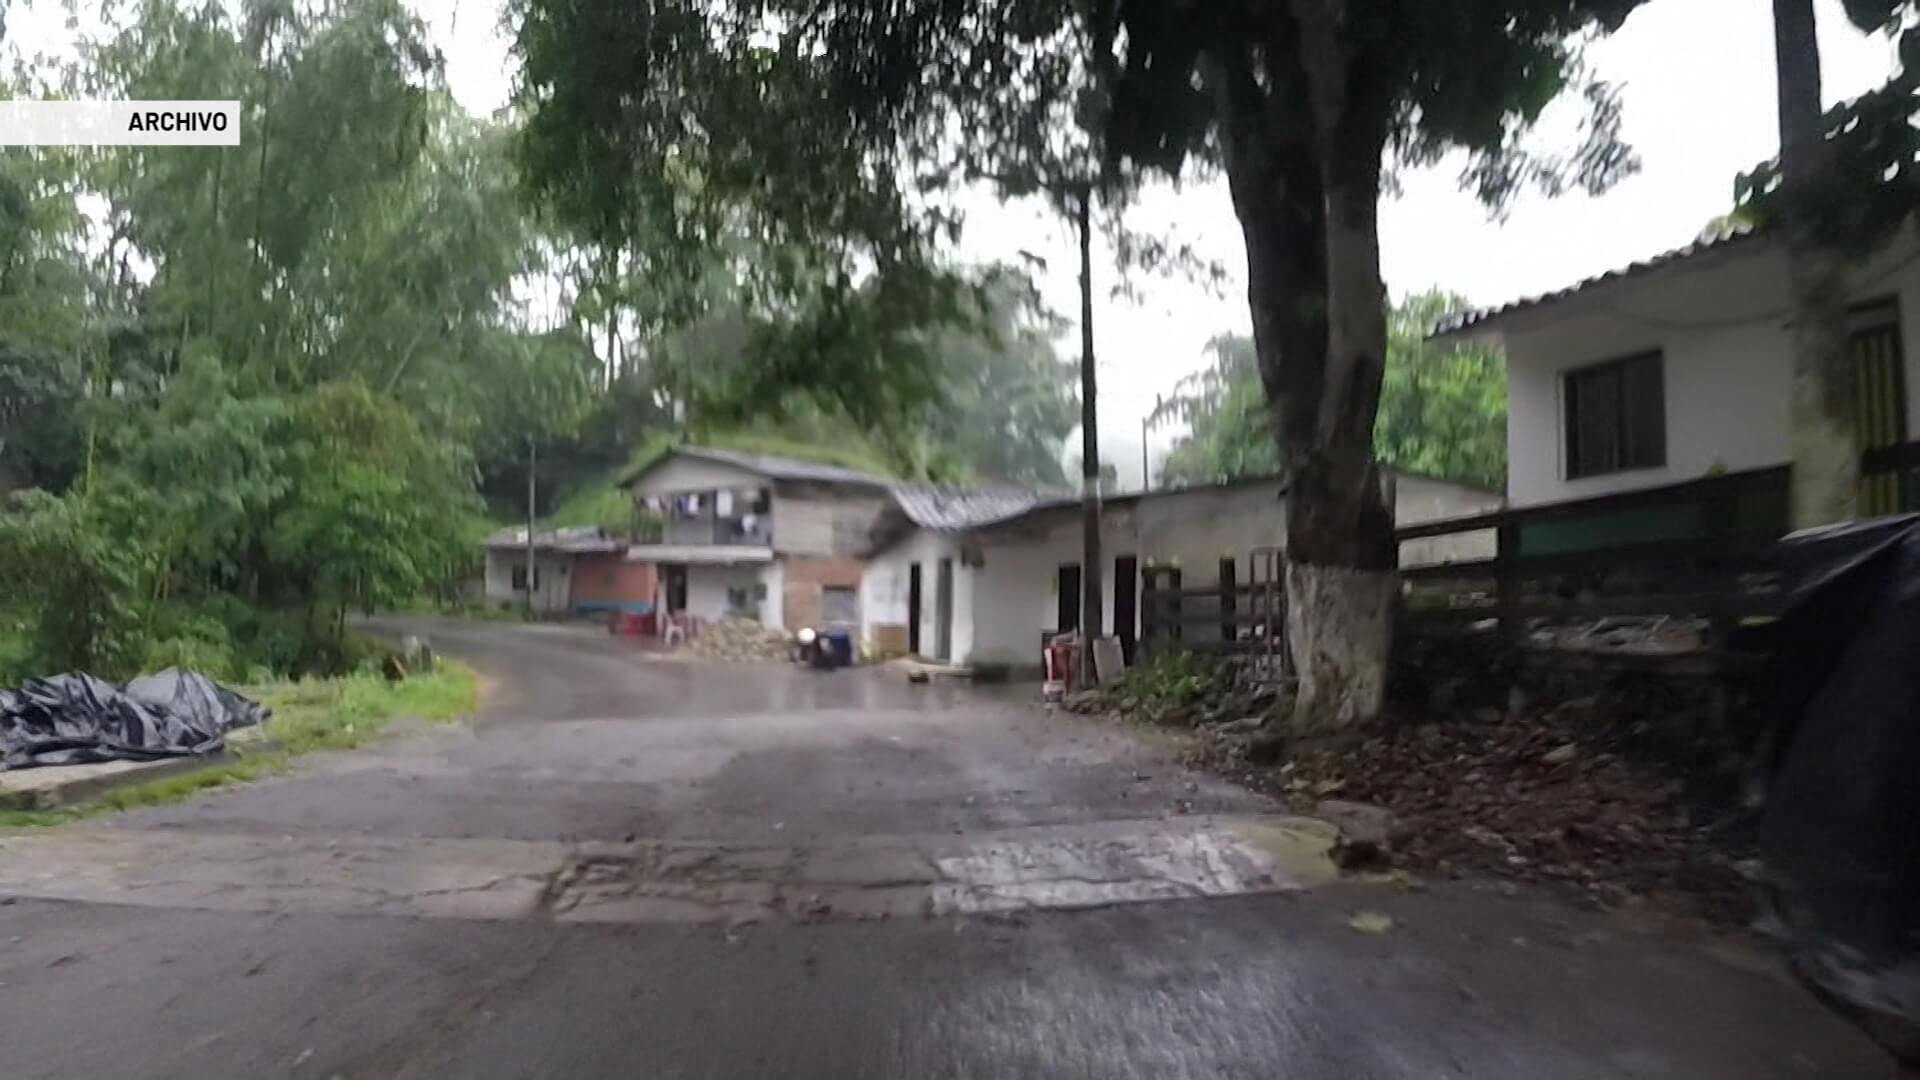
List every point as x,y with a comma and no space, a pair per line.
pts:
945,509
571,538
1715,241
768,465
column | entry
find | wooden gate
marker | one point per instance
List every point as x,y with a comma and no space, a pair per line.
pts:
1241,615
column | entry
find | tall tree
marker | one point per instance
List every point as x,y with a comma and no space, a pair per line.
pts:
1826,454
1442,407
1302,103
1007,399
814,114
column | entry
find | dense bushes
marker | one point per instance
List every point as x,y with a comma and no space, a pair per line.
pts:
234,534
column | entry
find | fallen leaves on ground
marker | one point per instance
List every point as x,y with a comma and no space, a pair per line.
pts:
1510,798
1528,798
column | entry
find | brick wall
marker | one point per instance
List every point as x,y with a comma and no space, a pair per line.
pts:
805,578
610,578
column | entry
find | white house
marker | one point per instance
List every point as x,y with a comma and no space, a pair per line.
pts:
981,577
1679,367
772,538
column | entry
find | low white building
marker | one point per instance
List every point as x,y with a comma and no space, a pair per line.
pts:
1680,367
982,577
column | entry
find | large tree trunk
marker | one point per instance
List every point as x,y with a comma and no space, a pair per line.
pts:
1826,452
1306,188
1341,553
1091,615
1337,604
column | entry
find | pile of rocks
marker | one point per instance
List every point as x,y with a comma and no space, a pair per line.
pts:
739,641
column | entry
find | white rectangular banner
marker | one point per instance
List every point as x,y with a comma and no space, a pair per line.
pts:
119,123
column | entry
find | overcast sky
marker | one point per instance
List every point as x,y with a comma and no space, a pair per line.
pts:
1698,94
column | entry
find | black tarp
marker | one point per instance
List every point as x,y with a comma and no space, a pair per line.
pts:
1840,832
76,718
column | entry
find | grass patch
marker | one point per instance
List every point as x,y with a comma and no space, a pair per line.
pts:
849,451
308,715
600,504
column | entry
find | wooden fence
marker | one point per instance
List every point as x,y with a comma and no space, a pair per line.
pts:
1705,549
1239,613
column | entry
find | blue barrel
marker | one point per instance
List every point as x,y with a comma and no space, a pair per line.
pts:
840,647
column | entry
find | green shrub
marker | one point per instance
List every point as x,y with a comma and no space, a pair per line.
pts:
194,640
1172,684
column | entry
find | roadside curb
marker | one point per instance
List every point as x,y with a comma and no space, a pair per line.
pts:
57,786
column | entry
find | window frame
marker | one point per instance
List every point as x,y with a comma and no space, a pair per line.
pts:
1624,434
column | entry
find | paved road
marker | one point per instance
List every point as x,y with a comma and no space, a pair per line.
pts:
633,866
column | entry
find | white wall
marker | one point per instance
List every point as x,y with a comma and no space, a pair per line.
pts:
1418,499
1722,329
1015,594
773,577
686,475
885,585
707,587
553,571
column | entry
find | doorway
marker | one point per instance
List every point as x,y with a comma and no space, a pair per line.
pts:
913,610
676,577
943,612
1067,585
1880,399
1126,585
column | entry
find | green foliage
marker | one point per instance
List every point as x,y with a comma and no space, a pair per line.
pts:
1008,401
65,560
1172,685
1869,185
1442,407
378,511
600,504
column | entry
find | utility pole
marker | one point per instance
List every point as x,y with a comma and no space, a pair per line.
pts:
1146,477
1090,605
533,461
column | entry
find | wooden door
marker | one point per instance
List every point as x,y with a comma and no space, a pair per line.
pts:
1126,584
1068,585
1880,403
913,609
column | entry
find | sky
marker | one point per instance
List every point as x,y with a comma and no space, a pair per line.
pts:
1697,90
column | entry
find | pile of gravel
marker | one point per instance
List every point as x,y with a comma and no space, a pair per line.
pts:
739,641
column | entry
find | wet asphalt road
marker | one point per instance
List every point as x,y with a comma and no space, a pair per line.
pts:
583,741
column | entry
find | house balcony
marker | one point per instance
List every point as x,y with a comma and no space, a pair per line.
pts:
738,520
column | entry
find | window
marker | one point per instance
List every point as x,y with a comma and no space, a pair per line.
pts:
520,578
839,606
1616,416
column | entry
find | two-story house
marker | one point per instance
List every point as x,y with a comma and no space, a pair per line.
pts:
778,539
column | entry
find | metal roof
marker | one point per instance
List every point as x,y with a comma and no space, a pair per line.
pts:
1717,240
572,538
768,465
946,509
